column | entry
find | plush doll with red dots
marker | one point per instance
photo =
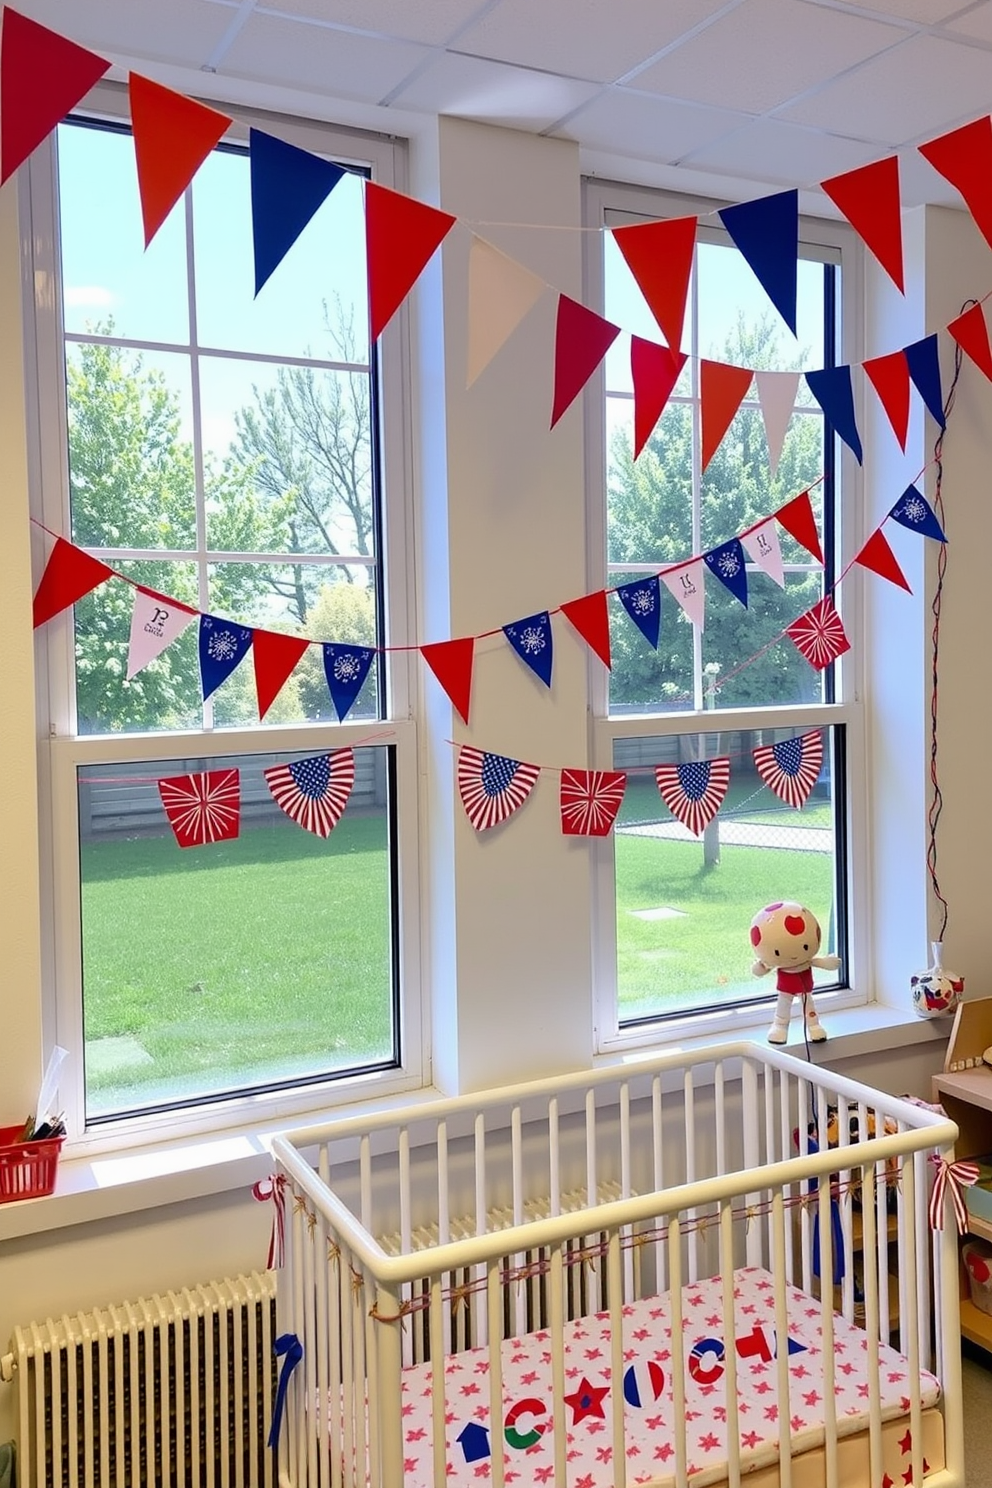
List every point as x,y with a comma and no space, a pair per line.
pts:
786,939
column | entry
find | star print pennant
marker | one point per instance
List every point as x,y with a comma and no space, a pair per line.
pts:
727,563
694,791
223,646
914,511
531,639
819,634
642,600
492,787
314,792
345,668
792,767
202,808
686,585
764,549
590,800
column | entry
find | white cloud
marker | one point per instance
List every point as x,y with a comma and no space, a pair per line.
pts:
88,297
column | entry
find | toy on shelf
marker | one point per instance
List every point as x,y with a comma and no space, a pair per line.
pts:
786,939
936,991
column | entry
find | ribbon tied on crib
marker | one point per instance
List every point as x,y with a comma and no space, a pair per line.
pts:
952,1178
274,1188
289,1345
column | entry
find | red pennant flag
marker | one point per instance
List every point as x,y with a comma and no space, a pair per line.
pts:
173,135
274,656
452,662
655,371
796,516
889,376
879,557
400,236
972,335
819,635
42,77
721,392
582,339
964,157
659,255
869,199
591,618
70,573
203,808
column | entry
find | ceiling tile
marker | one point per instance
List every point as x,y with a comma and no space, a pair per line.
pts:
920,12
920,89
583,38
285,51
432,22
977,23
764,52
782,153
642,126
184,32
493,93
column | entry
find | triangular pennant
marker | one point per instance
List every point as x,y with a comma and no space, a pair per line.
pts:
202,808
582,339
655,371
491,786
831,387
589,801
877,556
889,376
721,393
659,255
728,564
173,135
687,586
155,623
914,511
869,199
70,573
923,361
796,516
274,656
314,792
401,234
42,77
532,641
287,187
766,232
819,634
972,335
777,396
764,549
964,157
591,617
223,646
641,598
792,767
452,662
694,791
500,293
345,668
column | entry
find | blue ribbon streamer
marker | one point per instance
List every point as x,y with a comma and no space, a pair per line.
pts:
836,1231
290,1345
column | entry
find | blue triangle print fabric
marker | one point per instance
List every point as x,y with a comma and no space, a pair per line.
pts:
914,511
831,387
766,231
642,600
728,564
924,368
287,187
223,646
531,639
345,668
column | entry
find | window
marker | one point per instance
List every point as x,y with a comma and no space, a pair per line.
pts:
674,909
236,454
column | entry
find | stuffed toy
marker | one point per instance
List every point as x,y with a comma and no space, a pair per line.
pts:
786,939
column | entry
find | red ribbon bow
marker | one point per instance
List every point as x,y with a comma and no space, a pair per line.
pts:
274,1188
952,1178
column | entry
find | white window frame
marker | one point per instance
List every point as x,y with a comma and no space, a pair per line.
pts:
607,202
61,751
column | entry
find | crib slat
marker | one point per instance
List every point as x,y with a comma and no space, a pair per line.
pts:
908,1196
613,1271
494,1302
778,1250
480,1316
689,1096
730,1344
752,1154
678,1351
826,1239
437,1382
388,1375
658,1179
557,1318
871,1246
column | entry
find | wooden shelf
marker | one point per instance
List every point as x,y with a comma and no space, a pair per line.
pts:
973,1086
976,1325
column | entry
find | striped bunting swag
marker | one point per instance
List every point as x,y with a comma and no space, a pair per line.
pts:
314,791
792,767
694,792
491,786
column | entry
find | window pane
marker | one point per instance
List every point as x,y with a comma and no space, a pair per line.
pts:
254,962
650,500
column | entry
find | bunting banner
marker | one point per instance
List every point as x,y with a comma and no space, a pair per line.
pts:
401,235
501,292
173,135
582,339
792,767
721,392
531,639
156,622
452,663
591,619
654,371
889,376
796,516
223,646
964,157
924,370
877,556
288,186
42,77
972,335
492,787
694,792
70,574
345,668
766,232
764,549
819,634
727,563
314,792
659,255
641,599
202,808
914,511
589,801
869,199
274,656
686,585
831,387
777,396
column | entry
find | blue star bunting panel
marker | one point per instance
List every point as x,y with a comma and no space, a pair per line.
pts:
491,786
792,767
642,601
531,639
694,792
223,646
315,791
727,563
345,668
914,511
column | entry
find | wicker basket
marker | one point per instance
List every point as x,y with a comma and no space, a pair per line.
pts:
27,1169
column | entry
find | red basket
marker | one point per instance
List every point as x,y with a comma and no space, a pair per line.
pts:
27,1169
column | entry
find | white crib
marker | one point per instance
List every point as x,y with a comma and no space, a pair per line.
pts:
583,1282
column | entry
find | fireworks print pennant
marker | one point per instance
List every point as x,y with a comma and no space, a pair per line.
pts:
914,511
819,634
531,639
642,601
223,646
727,563
694,792
491,786
590,800
202,808
314,792
791,768
345,668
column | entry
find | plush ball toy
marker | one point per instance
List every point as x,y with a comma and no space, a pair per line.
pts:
786,938
936,991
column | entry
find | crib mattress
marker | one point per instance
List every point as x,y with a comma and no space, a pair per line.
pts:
647,1388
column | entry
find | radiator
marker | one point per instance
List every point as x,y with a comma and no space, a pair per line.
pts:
174,1391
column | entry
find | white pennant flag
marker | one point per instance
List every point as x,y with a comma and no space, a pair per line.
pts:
686,584
763,549
155,623
777,396
500,293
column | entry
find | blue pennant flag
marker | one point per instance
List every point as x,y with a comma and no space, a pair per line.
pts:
223,646
831,387
924,369
531,639
766,231
345,668
727,562
914,511
287,186
642,601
